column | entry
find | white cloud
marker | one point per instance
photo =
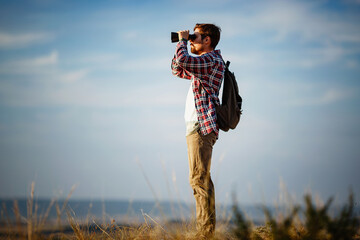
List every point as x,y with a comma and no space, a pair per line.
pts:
293,91
352,64
74,75
13,41
352,1
308,58
324,97
59,92
144,64
41,61
315,57
280,20
33,65
333,95
254,59
294,17
43,68
130,35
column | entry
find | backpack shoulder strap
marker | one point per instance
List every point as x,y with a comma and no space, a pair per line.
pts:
227,63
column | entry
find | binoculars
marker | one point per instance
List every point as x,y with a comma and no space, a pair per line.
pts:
175,37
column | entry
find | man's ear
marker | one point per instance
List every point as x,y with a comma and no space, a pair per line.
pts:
207,40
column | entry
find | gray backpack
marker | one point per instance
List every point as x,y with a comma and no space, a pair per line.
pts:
229,111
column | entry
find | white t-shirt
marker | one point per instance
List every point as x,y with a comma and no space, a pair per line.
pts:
191,119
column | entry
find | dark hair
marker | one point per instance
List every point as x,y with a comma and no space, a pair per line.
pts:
211,30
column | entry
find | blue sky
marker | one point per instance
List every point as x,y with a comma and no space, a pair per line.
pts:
87,98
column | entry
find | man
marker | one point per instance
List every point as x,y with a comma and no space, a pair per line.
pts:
206,72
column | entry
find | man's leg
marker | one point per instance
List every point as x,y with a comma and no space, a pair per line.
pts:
199,153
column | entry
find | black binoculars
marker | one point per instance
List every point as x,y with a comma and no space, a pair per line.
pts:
175,37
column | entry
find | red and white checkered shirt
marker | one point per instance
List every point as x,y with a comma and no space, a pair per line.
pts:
207,69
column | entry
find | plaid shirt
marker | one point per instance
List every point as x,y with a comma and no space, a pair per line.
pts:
207,73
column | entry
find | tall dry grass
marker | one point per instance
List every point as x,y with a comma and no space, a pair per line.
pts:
311,222
34,224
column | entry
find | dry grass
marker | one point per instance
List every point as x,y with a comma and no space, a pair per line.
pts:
316,224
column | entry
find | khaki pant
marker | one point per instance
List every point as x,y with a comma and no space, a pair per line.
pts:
199,153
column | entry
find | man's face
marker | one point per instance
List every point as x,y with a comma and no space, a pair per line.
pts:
197,46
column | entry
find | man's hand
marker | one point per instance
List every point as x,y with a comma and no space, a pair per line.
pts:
183,34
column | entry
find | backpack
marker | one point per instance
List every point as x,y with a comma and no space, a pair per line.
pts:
229,111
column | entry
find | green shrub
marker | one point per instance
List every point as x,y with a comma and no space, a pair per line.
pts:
242,229
317,223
